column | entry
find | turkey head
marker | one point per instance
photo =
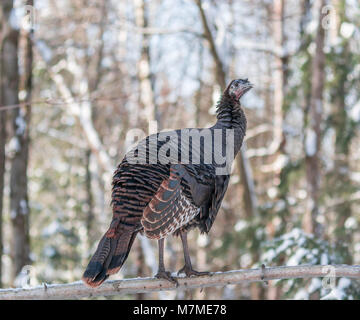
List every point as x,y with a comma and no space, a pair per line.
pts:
238,88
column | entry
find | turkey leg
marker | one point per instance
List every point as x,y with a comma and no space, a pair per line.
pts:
162,274
187,268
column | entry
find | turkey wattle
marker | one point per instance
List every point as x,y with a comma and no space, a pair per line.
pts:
159,198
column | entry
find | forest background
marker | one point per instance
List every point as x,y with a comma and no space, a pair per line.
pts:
79,78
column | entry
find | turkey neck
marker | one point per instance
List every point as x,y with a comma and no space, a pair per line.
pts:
230,115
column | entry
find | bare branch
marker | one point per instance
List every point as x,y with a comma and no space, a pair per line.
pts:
162,31
220,74
145,285
267,47
265,151
338,202
262,128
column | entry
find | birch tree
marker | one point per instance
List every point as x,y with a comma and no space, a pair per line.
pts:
4,11
313,133
146,94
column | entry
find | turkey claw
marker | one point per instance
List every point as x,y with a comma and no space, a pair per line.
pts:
189,272
166,275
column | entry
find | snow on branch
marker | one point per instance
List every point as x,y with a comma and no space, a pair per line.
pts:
77,290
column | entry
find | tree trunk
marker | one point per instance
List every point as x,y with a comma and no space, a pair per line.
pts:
277,13
2,134
146,95
313,131
280,72
339,184
94,72
2,175
146,100
89,200
19,206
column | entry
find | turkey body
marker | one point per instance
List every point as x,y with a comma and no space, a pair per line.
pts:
168,196
161,199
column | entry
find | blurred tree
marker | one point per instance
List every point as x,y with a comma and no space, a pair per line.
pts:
19,203
313,134
277,146
339,185
146,81
3,13
18,177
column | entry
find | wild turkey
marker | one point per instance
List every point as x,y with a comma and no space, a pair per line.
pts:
159,199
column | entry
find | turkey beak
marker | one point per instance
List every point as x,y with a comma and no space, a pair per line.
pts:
243,89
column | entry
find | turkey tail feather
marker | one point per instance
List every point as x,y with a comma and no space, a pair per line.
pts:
108,258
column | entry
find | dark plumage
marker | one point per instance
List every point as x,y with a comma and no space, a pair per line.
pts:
159,199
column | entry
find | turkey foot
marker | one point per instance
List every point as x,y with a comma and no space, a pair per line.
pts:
162,274
187,268
189,271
